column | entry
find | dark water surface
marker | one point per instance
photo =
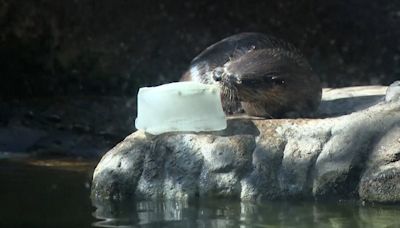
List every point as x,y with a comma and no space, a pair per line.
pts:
55,193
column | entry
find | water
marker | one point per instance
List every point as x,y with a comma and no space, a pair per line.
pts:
55,193
45,193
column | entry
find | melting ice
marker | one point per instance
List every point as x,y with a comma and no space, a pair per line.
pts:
180,106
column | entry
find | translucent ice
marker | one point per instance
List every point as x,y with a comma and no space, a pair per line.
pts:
180,106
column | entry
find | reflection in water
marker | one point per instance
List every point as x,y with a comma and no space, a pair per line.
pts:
227,213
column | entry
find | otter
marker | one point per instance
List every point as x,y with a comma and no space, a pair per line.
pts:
258,74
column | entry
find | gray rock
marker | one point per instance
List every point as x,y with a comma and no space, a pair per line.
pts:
337,102
381,180
393,92
257,159
123,166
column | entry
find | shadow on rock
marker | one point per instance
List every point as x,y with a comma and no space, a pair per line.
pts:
347,105
240,126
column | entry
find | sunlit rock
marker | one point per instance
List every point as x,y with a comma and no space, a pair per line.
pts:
348,154
380,181
180,106
393,92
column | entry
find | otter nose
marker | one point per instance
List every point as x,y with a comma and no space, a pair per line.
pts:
217,76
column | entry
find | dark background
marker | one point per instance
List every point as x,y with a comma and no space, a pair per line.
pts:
100,47
70,69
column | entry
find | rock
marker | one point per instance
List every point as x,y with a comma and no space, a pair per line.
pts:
342,157
124,168
347,100
380,182
393,92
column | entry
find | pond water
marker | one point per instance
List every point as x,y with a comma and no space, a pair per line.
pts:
55,193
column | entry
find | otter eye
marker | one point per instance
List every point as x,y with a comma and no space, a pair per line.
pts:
277,80
274,79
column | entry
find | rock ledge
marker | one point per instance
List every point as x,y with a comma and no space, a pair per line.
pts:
348,154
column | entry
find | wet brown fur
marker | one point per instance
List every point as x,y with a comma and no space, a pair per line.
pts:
275,79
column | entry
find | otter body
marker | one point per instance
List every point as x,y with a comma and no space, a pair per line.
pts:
262,75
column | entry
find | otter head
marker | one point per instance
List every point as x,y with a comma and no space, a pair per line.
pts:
268,83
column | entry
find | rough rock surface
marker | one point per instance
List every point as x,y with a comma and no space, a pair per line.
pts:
346,156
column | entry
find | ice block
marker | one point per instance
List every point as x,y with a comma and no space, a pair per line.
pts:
180,106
